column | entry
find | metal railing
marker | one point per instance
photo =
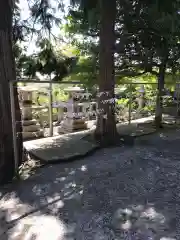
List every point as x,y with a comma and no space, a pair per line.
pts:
130,106
13,115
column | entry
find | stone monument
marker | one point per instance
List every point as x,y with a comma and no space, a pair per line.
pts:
75,115
30,126
141,101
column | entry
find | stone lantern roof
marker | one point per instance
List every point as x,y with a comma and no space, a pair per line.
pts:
74,89
27,89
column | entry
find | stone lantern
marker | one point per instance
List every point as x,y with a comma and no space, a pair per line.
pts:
25,98
74,120
141,98
31,129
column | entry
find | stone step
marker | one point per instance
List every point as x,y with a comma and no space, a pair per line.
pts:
73,121
74,126
69,129
32,135
31,128
29,122
66,130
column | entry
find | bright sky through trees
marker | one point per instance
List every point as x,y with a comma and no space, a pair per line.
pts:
25,14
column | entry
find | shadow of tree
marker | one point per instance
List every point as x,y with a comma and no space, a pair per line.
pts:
3,225
120,193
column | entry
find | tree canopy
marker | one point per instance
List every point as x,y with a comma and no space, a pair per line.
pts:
141,41
46,62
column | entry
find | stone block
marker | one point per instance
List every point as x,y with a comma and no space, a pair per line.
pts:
26,113
31,128
32,135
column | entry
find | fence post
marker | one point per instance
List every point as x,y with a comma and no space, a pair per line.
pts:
130,103
50,111
13,119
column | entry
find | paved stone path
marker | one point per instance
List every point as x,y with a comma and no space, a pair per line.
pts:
67,146
119,193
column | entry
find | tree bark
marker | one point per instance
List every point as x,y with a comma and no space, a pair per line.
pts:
7,73
159,99
106,124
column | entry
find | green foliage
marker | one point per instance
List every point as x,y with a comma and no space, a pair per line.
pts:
59,95
19,27
46,62
88,9
85,71
123,102
143,42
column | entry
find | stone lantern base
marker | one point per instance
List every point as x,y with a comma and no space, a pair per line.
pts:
31,129
74,120
72,125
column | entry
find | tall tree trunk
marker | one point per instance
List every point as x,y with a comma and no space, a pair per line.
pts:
159,99
106,124
7,73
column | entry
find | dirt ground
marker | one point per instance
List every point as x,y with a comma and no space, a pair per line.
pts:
118,193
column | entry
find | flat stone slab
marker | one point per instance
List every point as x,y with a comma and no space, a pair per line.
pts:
59,148
73,145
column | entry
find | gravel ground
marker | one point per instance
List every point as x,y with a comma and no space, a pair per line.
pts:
119,193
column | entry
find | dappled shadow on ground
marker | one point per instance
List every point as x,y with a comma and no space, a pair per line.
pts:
120,193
